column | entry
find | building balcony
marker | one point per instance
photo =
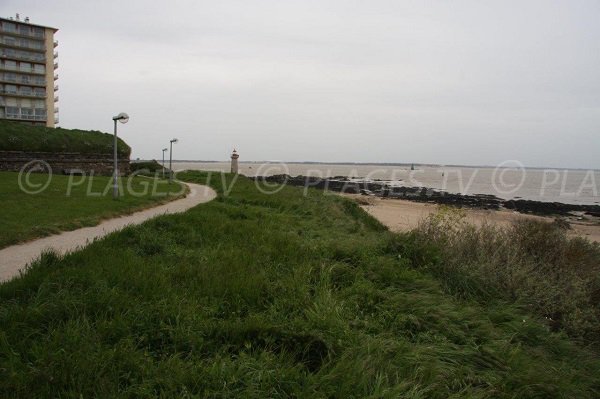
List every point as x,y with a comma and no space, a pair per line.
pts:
18,93
25,117
55,99
39,58
56,77
29,82
21,70
20,33
6,42
23,81
55,43
56,88
56,65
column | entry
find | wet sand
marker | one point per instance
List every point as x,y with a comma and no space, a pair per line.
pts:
403,215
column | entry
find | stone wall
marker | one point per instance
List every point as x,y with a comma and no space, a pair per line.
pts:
63,162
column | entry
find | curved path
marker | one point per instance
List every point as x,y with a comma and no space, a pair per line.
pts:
15,258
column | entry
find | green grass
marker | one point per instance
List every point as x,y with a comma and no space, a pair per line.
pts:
255,295
16,136
58,208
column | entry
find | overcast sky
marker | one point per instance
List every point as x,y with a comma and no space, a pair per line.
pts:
449,82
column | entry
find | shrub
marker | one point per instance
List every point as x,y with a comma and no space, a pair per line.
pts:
147,166
529,262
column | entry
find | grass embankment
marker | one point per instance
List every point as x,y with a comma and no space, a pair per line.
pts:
69,202
269,296
15,136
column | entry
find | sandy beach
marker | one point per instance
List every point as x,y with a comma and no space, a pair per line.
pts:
403,215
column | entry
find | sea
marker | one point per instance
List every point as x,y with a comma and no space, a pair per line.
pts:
508,181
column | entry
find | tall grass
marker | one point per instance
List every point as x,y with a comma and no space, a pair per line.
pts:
529,262
255,295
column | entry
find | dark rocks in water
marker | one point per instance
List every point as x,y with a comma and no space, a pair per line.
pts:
550,208
424,194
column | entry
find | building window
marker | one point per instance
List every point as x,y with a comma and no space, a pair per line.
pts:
39,32
9,40
12,112
9,27
24,30
8,52
25,66
10,77
27,113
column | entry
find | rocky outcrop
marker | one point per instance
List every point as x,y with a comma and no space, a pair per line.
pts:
550,208
424,194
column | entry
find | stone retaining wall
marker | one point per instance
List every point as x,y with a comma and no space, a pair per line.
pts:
63,162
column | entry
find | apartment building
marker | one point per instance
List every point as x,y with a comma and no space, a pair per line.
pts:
28,61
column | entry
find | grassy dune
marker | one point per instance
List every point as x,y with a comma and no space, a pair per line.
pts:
280,295
69,203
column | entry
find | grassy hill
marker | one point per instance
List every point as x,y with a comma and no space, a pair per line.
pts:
16,136
282,295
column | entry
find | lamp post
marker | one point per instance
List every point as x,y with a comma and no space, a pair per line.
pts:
163,164
123,118
171,160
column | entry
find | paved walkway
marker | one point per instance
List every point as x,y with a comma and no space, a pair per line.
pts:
17,257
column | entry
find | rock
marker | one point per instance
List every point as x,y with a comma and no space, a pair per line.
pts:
429,195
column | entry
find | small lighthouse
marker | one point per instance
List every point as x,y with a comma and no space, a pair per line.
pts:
234,161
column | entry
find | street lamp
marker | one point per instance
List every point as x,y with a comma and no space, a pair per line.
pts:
163,164
123,118
171,160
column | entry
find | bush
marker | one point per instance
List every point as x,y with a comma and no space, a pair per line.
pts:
148,166
529,262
